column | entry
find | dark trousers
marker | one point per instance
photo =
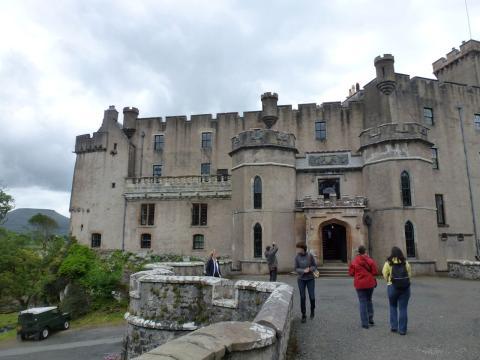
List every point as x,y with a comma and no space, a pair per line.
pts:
366,305
310,285
273,274
398,300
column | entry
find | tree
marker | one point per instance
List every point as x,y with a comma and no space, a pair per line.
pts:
6,204
44,227
21,275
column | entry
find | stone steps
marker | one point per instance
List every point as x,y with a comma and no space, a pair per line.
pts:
333,270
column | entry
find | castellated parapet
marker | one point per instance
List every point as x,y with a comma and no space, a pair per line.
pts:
263,138
86,143
269,109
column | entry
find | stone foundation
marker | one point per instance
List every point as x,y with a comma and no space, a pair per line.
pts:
164,307
464,269
423,267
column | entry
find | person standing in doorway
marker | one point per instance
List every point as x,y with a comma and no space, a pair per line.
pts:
363,269
397,272
305,265
271,256
213,268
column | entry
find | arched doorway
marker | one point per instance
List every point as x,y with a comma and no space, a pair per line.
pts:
334,242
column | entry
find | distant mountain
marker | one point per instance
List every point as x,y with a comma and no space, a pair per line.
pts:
17,220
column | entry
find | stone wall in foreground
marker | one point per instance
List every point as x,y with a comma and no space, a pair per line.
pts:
464,269
191,315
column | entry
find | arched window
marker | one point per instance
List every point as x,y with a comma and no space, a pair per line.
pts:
410,239
406,191
198,242
146,241
257,193
257,241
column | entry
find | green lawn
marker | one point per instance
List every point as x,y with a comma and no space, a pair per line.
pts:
97,318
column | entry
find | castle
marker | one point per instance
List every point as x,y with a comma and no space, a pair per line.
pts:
396,163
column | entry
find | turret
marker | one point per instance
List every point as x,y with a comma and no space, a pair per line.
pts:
385,73
269,109
110,115
130,116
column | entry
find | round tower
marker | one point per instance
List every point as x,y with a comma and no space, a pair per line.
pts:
385,73
401,205
263,194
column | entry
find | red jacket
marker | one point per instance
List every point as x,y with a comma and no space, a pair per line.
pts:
363,269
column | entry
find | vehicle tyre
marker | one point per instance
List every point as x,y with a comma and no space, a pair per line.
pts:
66,325
44,333
23,337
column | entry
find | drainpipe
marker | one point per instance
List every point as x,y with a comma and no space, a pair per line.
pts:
467,163
141,153
124,222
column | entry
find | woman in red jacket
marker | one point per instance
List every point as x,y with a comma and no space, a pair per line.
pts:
364,269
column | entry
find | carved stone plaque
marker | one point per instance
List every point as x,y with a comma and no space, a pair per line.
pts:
328,159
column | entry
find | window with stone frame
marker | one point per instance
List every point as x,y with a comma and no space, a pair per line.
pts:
222,174
406,189
257,192
328,187
205,169
158,143
476,121
320,130
157,170
435,158
198,242
147,214
199,214
146,241
428,116
96,240
206,140
410,239
257,241
440,209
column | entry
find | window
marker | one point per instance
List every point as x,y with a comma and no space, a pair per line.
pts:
428,116
198,242
476,121
435,158
327,187
222,174
406,192
205,169
113,185
410,239
199,214
147,214
257,241
440,209
257,193
158,143
96,240
206,140
146,241
320,130
157,170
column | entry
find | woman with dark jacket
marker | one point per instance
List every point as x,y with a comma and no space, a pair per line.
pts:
363,269
305,265
212,268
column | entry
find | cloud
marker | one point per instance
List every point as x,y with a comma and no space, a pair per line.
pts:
62,63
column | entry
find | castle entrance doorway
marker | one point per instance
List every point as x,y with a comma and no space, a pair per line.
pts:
334,241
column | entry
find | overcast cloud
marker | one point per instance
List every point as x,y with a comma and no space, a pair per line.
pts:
63,62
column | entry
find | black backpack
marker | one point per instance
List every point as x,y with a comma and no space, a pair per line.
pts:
399,276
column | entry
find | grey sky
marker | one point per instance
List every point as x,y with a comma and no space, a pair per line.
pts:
63,62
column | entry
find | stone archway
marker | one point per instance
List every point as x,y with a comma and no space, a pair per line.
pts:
334,241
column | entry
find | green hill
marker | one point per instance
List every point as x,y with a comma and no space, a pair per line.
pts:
17,220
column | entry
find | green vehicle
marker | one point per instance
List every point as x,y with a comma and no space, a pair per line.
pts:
40,322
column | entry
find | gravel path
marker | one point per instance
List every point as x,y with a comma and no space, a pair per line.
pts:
444,322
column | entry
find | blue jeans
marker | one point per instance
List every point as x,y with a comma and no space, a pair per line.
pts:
366,306
310,285
398,299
